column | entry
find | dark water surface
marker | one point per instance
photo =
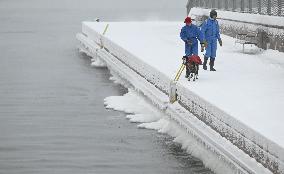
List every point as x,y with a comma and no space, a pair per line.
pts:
52,117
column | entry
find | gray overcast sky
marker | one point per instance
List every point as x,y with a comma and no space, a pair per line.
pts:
124,10
121,4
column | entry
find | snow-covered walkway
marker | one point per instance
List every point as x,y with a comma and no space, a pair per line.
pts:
249,87
244,97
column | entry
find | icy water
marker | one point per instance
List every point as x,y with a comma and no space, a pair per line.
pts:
52,118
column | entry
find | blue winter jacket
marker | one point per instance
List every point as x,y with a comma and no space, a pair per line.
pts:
210,30
191,33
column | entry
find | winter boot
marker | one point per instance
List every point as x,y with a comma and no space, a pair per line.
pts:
197,71
212,65
205,62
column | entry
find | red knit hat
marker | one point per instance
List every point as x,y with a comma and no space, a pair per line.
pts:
187,20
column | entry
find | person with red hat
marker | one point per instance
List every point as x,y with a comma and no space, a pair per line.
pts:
190,34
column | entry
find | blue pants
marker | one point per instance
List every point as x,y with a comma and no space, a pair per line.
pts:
211,49
191,49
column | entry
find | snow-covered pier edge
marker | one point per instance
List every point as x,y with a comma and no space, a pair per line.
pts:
217,133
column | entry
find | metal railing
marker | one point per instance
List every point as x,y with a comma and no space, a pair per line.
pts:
265,7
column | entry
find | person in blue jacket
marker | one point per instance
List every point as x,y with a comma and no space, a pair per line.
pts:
211,32
190,34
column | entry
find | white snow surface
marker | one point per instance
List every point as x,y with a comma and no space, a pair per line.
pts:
98,63
249,87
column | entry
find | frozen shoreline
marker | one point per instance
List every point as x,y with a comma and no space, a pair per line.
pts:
125,40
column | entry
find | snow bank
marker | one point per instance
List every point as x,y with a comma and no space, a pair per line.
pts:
151,118
150,62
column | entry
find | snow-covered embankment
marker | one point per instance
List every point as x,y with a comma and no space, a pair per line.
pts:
221,141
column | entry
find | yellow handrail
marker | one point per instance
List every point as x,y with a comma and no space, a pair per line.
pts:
179,72
105,30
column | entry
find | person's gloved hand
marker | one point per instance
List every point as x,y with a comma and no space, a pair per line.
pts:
220,42
184,60
202,48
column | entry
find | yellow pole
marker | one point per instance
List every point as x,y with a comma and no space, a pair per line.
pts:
179,72
105,30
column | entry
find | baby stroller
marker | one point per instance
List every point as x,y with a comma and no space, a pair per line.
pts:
192,66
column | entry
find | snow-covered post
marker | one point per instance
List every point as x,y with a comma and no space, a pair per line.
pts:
173,91
234,5
197,4
279,7
173,85
226,4
269,7
219,4
213,4
259,6
250,6
242,6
